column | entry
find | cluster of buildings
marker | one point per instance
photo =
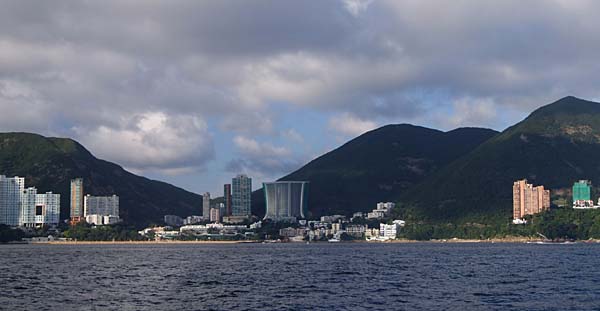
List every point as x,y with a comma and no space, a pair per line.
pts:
96,210
333,228
22,206
582,195
530,200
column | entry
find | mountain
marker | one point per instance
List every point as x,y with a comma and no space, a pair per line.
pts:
378,166
50,163
554,146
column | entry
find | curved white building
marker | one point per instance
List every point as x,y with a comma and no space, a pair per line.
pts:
286,200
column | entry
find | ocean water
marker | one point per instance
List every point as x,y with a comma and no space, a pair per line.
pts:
344,276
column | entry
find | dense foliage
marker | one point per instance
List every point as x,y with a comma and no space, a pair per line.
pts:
86,232
378,166
555,146
7,234
555,224
50,163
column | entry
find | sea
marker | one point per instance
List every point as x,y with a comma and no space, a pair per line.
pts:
317,276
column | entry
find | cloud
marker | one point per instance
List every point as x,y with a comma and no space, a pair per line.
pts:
471,112
154,142
233,68
263,160
350,125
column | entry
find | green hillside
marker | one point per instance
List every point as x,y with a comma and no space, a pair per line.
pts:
50,163
554,146
378,166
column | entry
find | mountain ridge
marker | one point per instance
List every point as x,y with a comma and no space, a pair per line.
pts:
49,163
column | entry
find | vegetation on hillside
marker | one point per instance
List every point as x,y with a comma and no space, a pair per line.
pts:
378,166
50,163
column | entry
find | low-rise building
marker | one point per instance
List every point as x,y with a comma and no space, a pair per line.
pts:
333,218
382,210
192,220
173,220
215,215
356,231
389,232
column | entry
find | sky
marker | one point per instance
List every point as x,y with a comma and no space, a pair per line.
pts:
195,92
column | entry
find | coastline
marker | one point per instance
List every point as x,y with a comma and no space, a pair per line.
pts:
398,241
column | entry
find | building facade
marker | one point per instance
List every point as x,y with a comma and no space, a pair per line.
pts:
227,199
24,207
582,194
101,205
11,189
529,200
215,215
286,200
206,204
241,193
77,204
39,209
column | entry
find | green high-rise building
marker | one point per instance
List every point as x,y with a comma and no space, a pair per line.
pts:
582,190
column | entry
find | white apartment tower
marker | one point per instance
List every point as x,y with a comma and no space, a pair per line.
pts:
10,199
206,205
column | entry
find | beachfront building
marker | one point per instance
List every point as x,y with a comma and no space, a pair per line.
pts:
215,215
582,195
528,200
227,199
11,189
389,232
38,210
101,210
77,205
24,207
206,204
286,200
241,192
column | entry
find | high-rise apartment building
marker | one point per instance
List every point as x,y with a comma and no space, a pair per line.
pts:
39,209
286,200
10,199
582,190
529,200
77,207
241,192
20,206
227,199
206,205
101,205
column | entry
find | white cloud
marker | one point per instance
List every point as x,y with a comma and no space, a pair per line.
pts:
153,141
350,125
355,7
471,112
292,135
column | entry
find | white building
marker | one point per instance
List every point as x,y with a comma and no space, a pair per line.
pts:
389,232
101,205
10,199
25,207
381,211
39,209
215,215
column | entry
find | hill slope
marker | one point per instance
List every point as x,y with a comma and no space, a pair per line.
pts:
554,146
378,166
50,163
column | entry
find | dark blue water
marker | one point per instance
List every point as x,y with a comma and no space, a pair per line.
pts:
301,277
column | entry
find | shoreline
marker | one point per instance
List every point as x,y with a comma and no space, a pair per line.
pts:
399,241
